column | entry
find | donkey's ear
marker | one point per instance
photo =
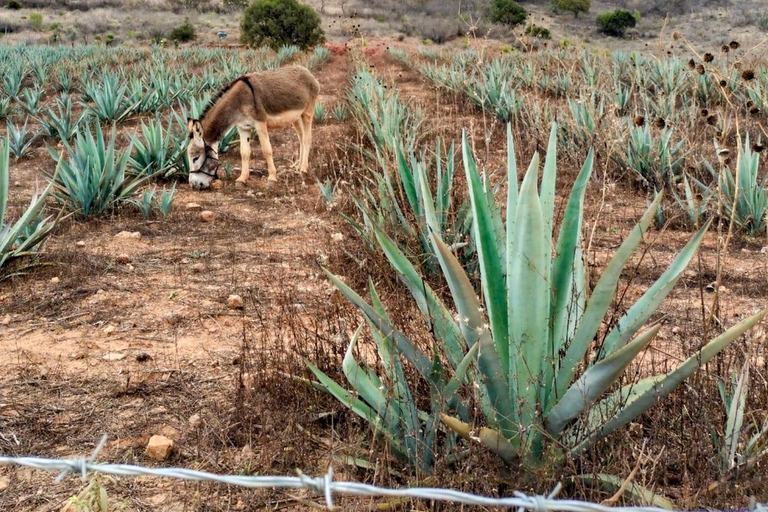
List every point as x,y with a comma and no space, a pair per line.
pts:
195,129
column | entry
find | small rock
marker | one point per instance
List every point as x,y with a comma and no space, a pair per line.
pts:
195,420
123,259
234,302
3,483
185,261
159,448
114,356
6,320
128,234
54,280
130,267
109,329
193,206
676,330
80,243
172,318
337,237
207,216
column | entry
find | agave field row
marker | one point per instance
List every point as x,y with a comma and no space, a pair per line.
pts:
661,122
526,385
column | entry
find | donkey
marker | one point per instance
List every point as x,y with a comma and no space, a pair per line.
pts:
265,100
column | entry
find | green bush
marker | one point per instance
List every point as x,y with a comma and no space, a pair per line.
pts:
537,31
184,33
762,21
36,21
615,23
574,6
277,23
13,5
507,12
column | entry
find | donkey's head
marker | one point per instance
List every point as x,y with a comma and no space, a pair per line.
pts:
203,158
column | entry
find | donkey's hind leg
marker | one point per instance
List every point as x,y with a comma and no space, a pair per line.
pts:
306,120
298,125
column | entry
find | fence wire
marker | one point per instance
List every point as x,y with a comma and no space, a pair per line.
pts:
324,486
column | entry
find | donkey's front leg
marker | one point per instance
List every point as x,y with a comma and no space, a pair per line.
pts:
266,150
245,153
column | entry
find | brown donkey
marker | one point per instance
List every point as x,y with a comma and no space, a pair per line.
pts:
263,100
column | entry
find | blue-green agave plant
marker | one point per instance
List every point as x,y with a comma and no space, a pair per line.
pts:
528,351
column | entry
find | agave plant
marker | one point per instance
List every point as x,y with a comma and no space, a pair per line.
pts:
339,112
695,206
31,100
398,207
519,350
318,58
166,200
155,153
740,445
92,178
656,162
19,140
320,114
385,119
13,79
110,101
5,106
23,237
751,205
61,124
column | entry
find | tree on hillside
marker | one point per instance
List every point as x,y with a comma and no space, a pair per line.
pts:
281,22
507,12
574,6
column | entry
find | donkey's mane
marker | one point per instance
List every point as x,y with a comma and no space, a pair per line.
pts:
221,93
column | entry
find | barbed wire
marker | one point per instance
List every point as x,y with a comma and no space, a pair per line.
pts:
324,486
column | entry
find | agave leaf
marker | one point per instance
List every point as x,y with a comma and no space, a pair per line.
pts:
568,279
407,180
403,401
414,355
594,382
444,326
638,494
475,330
487,437
489,258
21,224
600,301
736,417
358,407
4,180
548,181
461,370
529,276
646,305
655,389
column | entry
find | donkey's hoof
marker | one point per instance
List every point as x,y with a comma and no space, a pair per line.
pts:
239,183
271,183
